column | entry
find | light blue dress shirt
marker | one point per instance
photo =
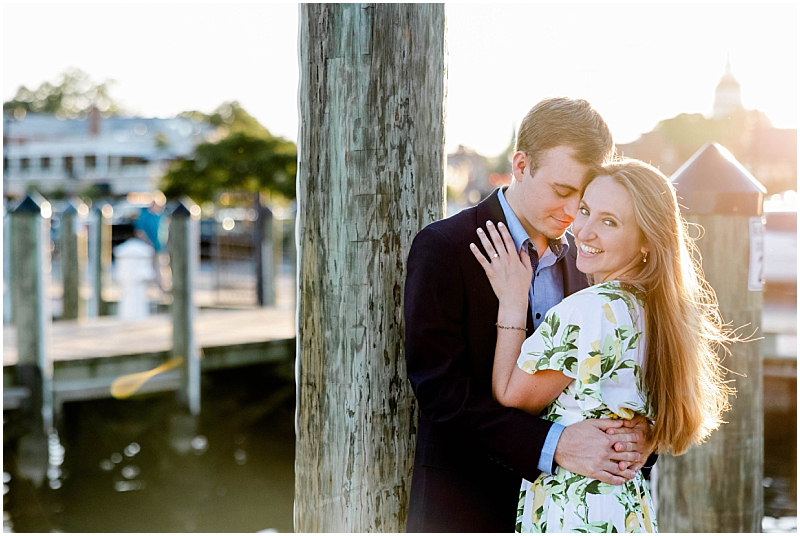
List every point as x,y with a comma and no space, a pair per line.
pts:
547,289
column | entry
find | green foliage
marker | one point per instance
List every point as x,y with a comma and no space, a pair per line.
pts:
692,130
688,132
240,161
502,162
162,141
231,118
92,192
247,158
70,95
55,194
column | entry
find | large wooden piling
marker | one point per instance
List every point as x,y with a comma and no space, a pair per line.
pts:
371,174
30,272
717,486
184,239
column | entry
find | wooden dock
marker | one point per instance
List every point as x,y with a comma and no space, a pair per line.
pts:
89,355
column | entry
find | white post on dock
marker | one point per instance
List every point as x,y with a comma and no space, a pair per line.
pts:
184,239
99,256
134,272
30,271
73,260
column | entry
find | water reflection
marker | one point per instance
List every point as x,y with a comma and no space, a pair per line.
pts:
55,457
142,465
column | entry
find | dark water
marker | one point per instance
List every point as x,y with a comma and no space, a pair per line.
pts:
142,465
780,463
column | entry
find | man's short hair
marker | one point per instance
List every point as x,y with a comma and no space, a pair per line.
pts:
561,121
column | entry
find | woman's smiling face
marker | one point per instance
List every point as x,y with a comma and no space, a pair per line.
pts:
606,234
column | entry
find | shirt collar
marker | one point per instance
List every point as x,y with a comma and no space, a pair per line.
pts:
520,236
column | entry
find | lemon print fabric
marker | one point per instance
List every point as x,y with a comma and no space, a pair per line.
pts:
596,338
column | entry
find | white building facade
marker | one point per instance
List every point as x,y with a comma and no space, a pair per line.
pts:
118,155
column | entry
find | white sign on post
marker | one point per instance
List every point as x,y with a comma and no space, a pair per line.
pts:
755,278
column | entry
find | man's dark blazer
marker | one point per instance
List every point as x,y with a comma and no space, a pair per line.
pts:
471,451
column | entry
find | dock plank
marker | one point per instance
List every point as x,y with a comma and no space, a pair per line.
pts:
108,336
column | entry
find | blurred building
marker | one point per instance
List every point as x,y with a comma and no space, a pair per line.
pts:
109,155
471,176
769,153
466,176
728,96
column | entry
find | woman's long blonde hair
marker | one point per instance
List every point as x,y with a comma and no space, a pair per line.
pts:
685,333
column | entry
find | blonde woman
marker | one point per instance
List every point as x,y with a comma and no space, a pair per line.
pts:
641,341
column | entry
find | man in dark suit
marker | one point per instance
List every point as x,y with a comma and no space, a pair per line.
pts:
472,453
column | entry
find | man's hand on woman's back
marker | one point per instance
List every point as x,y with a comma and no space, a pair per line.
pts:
643,446
605,449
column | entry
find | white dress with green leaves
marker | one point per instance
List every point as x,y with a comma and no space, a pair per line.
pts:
596,337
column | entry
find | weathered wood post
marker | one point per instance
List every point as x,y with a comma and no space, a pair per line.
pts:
30,272
371,174
184,239
73,260
717,486
6,266
289,227
265,251
99,257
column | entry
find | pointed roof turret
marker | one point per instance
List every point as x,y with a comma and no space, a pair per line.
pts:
728,79
728,95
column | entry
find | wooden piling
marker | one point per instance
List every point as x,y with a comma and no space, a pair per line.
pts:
717,486
289,227
265,251
30,271
371,174
99,246
73,262
184,239
7,317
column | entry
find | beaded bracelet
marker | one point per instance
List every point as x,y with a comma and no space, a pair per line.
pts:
508,327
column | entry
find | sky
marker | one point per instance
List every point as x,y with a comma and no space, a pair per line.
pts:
637,63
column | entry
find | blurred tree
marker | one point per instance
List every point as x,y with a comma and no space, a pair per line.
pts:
93,192
162,141
245,157
502,162
686,133
71,95
231,118
241,161
55,194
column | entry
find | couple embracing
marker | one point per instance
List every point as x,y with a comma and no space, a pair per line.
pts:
551,367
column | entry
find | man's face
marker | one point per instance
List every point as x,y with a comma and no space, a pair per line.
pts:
547,201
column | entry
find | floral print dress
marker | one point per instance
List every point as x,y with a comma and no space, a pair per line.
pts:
596,337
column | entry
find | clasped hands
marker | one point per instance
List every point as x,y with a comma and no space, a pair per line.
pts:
611,451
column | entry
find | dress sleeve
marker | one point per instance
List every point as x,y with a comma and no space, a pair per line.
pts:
593,340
